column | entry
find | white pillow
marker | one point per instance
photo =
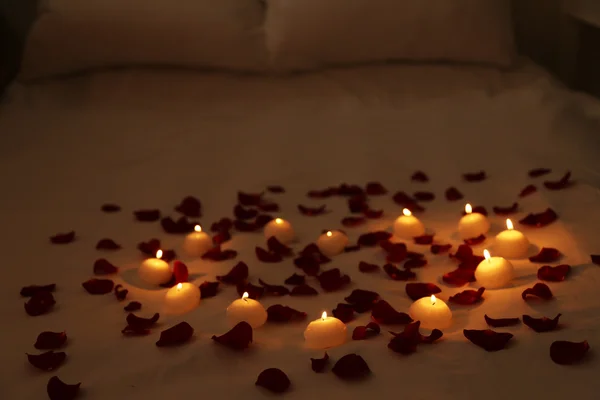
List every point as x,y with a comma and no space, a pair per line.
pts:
306,34
77,35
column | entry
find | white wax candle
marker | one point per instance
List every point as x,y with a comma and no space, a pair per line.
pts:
407,226
332,243
248,310
197,243
281,229
511,243
182,298
494,272
155,271
473,224
325,332
432,312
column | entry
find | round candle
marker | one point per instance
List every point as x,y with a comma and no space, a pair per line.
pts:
155,271
473,224
248,310
332,243
281,229
197,243
325,332
407,226
494,272
511,243
182,298
432,312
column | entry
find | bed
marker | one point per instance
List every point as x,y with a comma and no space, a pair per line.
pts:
146,138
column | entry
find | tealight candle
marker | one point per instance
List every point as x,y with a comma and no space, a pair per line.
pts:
432,312
494,272
182,298
473,224
281,229
155,271
197,243
511,243
325,332
248,310
332,243
407,226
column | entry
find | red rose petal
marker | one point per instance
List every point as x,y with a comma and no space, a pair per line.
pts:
58,390
32,290
180,271
351,367
562,183
279,313
274,380
541,219
353,222
402,199
312,250
475,241
540,290
506,210
440,248
459,277
134,320
362,300
396,252
190,207
120,292
375,189
181,226
276,290
267,256
63,238
221,238
208,289
98,286
383,313
275,189
452,194
343,312
147,215
217,254
527,190
319,364
308,264
543,324
175,335
244,226
373,238
103,267
467,297
312,211
349,190
501,322
169,255
424,239
238,338
406,342
50,340
40,303
415,291
358,204
419,176
275,246
333,279
373,214
107,244
47,361
475,177
249,199
268,206
322,194
244,213
537,172
463,253
487,339
415,263
133,306
477,209
566,353
595,259
365,332
237,275
398,275
364,266
546,255
295,279
303,290
150,247
424,196
222,225
110,208
554,274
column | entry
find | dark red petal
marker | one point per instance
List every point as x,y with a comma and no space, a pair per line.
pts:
135,330
245,226
303,290
150,247
268,206
242,213
541,219
424,196
312,211
147,215
419,176
397,252
133,306
398,275
32,290
415,291
467,297
365,332
452,194
595,259
175,335
566,353
275,189
208,289
353,222
364,266
103,267
403,199
216,254
98,286
553,274
562,183
221,238
120,292
256,292
40,303
333,279
537,172
362,300
322,194
275,246
266,256
295,279
249,199
479,210
180,272
47,361
50,340
406,342
415,263
358,204
351,367
222,225
107,244
506,210
349,190
372,214
384,313
440,248
274,380
277,290
487,339
501,322
425,239
135,321
58,390
546,255
280,313
319,364
237,275
543,324
181,226
350,249
527,190
190,207
238,338
375,189
312,250
63,238
343,312
463,253
308,264
540,290
475,177
459,277
110,208
169,255
373,238
475,241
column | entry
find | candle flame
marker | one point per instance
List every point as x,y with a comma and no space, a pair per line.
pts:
433,299
198,228
509,225
278,221
179,286
406,212
159,254
324,315
468,209
245,296
487,255
329,234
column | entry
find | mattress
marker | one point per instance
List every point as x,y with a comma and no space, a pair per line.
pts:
147,138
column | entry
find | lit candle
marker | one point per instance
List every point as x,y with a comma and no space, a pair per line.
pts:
407,226
432,312
197,243
332,243
494,272
281,229
155,271
511,243
325,332
182,298
248,310
473,224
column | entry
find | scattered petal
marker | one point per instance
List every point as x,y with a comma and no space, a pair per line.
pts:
221,238
506,210
459,277
308,264
415,263
249,199
373,238
362,300
138,326
501,322
543,324
313,251
365,332
277,290
353,222
275,189
475,241
238,338
280,313
208,289
237,275
222,225
406,201
595,259
566,353
358,204
541,219
478,210
181,226
351,367
110,208
303,290
452,194
554,274
372,214
120,292
190,207
58,390
107,244
133,306
98,286
333,279
268,206
419,176
364,266
415,291
295,279
467,297
63,238
350,249
40,303
274,380
396,252
398,275
32,290
546,255
383,313
318,364
169,255
267,256
275,246
406,342
175,335
217,254
540,290
440,248
254,292
562,183
475,177
343,312
242,213
103,267
424,239
375,189
47,361
537,172
150,247
424,196
312,211
322,194
487,339
527,190
180,272
50,340
147,215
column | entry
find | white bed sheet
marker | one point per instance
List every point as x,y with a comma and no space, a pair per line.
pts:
146,139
